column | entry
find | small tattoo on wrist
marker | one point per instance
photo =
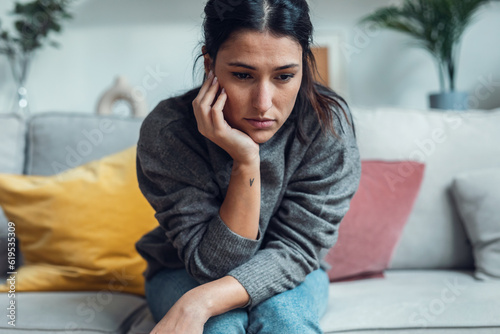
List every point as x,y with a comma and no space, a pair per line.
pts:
251,181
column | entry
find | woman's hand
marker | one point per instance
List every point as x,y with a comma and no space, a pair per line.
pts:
187,316
190,313
211,124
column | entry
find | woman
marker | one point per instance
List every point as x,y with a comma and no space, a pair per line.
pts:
250,175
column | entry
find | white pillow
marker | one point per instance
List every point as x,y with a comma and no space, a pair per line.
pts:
477,195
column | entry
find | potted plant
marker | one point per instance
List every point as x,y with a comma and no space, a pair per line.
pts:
35,21
437,26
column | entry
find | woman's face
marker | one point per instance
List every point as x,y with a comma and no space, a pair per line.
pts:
262,75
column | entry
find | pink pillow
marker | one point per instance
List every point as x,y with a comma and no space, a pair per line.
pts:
371,228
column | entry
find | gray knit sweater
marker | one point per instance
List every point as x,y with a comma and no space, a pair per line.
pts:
306,189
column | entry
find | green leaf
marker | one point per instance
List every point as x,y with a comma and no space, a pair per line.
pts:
54,26
18,8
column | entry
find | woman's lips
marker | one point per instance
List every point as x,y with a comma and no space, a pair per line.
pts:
260,124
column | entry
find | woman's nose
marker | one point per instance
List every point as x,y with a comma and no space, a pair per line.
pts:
262,99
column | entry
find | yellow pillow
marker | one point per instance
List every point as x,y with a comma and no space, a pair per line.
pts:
78,229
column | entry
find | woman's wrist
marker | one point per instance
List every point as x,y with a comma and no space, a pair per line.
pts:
196,301
247,161
220,296
252,165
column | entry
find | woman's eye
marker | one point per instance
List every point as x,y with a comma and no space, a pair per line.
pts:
241,76
285,77
246,76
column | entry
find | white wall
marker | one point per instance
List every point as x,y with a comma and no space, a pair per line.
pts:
137,38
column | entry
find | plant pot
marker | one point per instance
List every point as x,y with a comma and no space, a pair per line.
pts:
449,100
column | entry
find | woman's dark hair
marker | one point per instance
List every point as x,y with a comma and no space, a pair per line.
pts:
282,18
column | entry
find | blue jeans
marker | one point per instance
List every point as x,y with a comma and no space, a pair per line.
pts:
293,311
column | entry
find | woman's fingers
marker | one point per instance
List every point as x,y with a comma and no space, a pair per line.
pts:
206,84
199,102
208,99
217,114
208,109
202,104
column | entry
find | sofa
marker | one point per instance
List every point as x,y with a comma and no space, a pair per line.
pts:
431,283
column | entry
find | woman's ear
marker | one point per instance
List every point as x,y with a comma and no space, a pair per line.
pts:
207,60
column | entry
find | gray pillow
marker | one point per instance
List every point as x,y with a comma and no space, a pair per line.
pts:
477,196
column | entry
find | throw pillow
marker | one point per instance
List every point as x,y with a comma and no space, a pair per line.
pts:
77,229
370,230
477,197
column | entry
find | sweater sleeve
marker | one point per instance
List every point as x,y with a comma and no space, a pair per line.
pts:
177,182
305,225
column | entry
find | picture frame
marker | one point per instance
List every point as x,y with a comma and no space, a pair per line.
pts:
336,67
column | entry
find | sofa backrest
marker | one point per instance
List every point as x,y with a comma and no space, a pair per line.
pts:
448,142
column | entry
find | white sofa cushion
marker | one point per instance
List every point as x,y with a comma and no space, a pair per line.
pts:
448,143
92,312
411,301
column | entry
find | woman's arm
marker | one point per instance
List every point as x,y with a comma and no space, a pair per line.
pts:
240,210
213,232
241,207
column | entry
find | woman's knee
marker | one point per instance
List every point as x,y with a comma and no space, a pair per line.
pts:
277,317
234,321
318,284
294,311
